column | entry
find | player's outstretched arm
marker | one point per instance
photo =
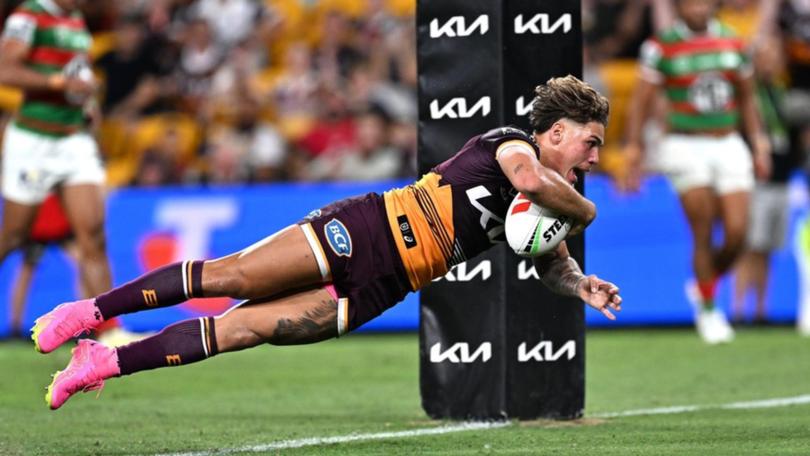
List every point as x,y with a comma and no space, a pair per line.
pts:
544,186
562,275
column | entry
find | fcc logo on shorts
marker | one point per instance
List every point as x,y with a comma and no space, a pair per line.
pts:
338,237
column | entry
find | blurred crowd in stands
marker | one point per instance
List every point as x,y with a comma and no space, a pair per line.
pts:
221,91
232,91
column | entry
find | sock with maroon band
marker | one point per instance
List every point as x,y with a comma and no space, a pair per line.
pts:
162,287
181,343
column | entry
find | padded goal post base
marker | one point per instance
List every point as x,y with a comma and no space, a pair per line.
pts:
494,342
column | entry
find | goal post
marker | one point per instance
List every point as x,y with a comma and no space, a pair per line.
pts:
494,342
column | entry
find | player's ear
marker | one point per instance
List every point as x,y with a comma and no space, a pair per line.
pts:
557,132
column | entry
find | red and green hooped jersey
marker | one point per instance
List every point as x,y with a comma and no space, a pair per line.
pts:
59,43
699,73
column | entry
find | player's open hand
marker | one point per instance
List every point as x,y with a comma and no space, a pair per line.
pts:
601,295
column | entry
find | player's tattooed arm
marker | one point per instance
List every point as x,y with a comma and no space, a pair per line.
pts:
559,272
562,275
311,326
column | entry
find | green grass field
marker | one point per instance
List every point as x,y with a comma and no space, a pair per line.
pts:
369,384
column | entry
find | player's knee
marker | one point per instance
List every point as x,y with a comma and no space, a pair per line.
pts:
226,278
233,335
735,242
93,245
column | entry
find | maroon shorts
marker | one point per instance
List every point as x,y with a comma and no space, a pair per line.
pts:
356,253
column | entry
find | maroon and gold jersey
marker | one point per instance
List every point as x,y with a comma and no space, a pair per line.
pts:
455,211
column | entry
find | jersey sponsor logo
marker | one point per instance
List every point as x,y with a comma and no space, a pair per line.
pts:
544,351
150,297
338,237
490,222
457,26
540,24
457,108
460,353
173,360
406,231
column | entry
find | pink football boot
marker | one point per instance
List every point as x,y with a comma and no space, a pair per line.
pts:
66,321
89,366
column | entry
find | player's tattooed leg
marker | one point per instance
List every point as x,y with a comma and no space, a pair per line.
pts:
313,325
300,317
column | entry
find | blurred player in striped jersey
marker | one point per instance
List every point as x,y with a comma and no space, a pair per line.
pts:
708,81
46,147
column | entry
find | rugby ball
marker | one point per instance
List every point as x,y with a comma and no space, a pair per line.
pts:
532,230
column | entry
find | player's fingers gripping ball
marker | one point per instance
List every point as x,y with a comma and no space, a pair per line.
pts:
532,230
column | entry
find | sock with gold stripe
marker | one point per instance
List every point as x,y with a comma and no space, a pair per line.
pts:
185,342
166,286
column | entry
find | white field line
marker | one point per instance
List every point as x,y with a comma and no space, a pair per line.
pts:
298,443
766,403
471,426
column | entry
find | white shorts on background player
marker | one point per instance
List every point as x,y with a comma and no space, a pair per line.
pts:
692,161
34,164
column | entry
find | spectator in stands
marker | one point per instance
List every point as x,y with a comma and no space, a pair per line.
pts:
161,163
366,88
249,149
200,58
336,53
293,92
371,157
130,73
234,22
615,28
334,128
709,86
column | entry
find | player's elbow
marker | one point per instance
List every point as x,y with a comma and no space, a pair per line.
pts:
588,213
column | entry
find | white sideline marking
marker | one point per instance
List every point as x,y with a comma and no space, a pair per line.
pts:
765,403
471,426
283,444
